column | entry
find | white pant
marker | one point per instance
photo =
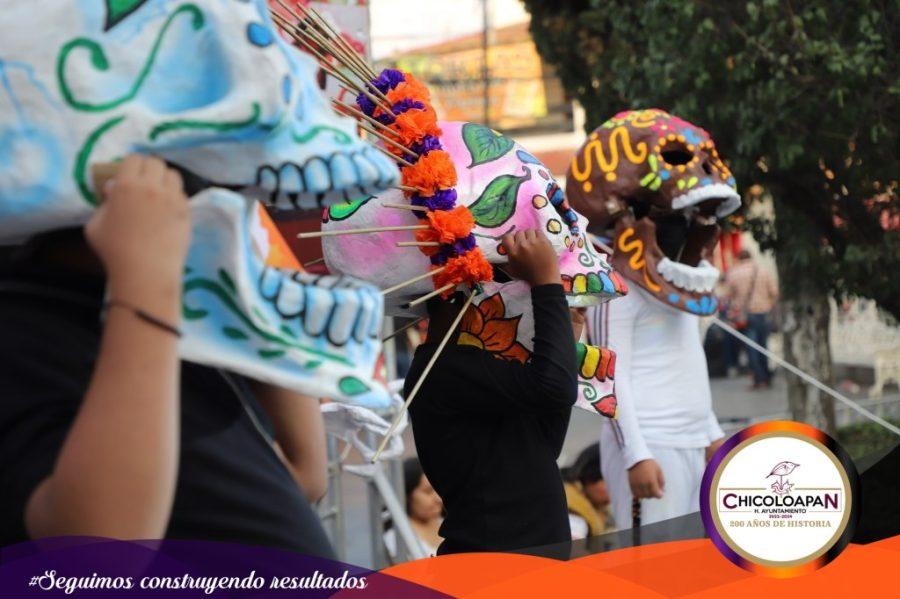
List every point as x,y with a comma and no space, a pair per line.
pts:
682,470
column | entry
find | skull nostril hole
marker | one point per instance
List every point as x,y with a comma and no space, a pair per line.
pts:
707,169
676,156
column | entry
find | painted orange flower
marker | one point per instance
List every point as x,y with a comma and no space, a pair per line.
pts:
486,327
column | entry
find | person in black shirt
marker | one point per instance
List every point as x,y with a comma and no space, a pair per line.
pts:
103,431
488,431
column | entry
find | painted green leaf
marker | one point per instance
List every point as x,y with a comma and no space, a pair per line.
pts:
497,203
116,10
342,211
350,385
312,364
271,354
227,281
287,331
484,144
233,333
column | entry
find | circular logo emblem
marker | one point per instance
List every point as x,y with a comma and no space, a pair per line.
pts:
778,498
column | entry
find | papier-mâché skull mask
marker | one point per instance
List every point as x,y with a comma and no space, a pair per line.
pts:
506,189
205,84
208,86
659,182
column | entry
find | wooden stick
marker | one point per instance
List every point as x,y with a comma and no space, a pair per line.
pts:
340,40
411,244
394,157
408,188
428,296
388,140
414,279
428,367
362,115
288,27
405,207
313,262
403,328
313,234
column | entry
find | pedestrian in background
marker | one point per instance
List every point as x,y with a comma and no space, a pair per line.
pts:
751,292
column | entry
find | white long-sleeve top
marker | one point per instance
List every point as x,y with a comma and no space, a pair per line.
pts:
662,384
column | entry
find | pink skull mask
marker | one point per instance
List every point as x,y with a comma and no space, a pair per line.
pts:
506,189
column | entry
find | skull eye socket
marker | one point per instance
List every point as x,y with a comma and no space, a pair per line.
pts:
676,154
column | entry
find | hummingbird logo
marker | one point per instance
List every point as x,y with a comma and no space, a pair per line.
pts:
782,469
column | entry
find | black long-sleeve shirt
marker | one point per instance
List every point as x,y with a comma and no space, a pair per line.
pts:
488,433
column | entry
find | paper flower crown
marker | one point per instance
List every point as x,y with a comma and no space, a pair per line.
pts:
429,178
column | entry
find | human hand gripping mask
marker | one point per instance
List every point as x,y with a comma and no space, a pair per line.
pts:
659,183
210,87
504,189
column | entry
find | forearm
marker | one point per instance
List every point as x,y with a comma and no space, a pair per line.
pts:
553,363
300,432
116,472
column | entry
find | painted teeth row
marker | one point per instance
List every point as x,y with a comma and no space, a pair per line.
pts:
701,278
338,307
292,185
594,282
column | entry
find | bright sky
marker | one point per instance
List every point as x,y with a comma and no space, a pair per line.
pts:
399,25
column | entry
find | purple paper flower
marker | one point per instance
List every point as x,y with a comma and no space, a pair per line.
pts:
428,143
458,248
406,104
388,79
365,104
443,199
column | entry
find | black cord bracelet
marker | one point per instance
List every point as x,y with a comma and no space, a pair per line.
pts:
146,317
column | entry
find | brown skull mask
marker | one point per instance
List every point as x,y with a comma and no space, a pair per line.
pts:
659,183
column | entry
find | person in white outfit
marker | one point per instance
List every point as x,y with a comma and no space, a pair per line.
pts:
657,448
656,186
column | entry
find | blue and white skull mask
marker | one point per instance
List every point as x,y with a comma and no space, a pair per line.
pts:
248,310
207,85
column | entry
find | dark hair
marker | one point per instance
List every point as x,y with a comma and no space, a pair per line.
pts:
744,255
586,467
412,476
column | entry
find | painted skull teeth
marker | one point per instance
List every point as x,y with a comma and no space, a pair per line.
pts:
701,278
731,201
335,307
325,180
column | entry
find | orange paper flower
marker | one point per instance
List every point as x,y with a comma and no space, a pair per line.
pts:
411,88
431,172
451,225
486,327
413,125
470,268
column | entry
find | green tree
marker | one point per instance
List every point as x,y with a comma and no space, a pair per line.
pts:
800,96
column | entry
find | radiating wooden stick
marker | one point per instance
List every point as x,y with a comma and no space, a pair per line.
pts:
288,27
309,27
405,207
428,367
408,188
388,140
313,262
340,39
414,279
403,328
413,244
393,157
313,234
362,115
428,296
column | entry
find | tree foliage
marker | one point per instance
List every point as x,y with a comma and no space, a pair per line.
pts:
800,96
